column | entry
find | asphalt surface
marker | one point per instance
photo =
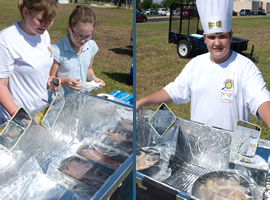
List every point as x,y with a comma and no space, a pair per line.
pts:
157,19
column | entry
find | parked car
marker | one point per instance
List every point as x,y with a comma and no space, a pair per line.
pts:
162,11
259,12
234,13
151,11
140,17
245,12
189,13
176,12
140,11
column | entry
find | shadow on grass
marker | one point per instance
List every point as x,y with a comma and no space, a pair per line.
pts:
119,77
197,53
123,51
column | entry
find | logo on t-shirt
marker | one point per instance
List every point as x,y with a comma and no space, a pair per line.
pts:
50,50
228,85
227,95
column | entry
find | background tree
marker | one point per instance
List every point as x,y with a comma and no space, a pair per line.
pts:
147,4
155,5
138,4
168,3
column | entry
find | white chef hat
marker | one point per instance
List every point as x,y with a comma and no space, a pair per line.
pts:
215,15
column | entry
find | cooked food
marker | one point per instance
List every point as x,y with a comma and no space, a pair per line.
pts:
40,115
145,160
126,125
122,137
76,169
85,172
96,155
221,188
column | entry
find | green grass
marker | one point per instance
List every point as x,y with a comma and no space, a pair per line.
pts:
157,61
112,35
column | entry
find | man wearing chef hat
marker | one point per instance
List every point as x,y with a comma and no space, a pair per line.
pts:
222,85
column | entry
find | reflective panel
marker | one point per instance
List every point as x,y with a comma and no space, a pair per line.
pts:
15,129
162,120
245,139
53,111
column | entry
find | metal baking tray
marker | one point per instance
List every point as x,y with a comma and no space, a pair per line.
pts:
85,173
110,140
102,154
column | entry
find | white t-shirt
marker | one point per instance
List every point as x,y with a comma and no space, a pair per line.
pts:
26,61
220,94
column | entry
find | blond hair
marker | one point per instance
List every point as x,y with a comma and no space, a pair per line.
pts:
82,14
48,6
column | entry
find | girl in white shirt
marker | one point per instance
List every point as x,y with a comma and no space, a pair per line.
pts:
26,57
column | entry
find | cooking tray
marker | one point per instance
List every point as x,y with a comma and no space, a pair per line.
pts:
125,125
222,184
148,160
119,140
122,136
82,173
101,154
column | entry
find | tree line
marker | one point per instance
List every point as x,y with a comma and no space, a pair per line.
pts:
144,4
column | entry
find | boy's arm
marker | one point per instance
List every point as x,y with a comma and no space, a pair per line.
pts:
264,112
156,98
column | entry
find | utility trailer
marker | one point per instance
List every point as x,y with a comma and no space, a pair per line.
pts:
185,32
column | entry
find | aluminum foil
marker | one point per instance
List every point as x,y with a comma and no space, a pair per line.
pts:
193,144
85,118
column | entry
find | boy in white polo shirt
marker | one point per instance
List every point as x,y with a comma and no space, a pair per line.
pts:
222,85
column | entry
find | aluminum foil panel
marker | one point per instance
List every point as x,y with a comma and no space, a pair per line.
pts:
34,163
194,150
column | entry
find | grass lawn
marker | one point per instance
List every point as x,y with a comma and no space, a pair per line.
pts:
157,61
112,35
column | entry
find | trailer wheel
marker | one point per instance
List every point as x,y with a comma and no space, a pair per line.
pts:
184,49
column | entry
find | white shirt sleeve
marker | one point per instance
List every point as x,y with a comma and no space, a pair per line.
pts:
179,90
94,47
6,62
255,88
56,53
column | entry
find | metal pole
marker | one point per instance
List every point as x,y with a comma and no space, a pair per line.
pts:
181,15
